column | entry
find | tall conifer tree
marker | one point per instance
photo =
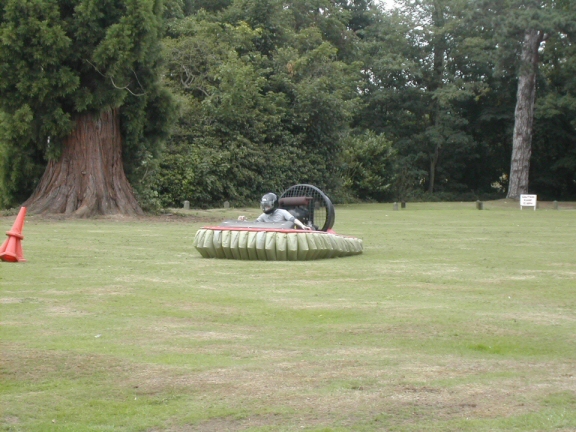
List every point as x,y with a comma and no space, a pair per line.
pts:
79,88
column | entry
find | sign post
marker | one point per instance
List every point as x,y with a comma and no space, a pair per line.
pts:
528,201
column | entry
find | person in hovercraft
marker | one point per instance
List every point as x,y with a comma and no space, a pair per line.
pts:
269,205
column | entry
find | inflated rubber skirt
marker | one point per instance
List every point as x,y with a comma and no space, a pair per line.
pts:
273,244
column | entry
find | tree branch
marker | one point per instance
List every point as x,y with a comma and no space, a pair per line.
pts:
187,79
114,84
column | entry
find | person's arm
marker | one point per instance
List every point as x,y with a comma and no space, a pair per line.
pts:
290,218
301,225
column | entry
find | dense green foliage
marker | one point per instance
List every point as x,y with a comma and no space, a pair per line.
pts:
421,100
264,104
365,102
62,58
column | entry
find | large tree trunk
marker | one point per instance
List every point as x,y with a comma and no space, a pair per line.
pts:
89,178
433,163
524,116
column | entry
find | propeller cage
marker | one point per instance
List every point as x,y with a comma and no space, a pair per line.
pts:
310,205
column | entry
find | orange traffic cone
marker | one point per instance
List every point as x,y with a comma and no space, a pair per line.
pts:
11,250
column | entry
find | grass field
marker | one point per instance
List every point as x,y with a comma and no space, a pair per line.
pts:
453,319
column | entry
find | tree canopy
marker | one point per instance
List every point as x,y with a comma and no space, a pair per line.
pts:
413,102
60,59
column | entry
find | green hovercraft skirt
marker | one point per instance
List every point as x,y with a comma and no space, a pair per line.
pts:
273,244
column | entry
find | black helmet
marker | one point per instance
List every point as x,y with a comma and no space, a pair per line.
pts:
269,203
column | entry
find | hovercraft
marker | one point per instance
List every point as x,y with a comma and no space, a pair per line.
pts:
244,240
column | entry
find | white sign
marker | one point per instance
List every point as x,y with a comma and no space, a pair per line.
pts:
528,201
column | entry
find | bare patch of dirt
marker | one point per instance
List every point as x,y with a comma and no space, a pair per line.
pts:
11,420
111,290
170,327
228,424
65,311
39,365
10,300
541,318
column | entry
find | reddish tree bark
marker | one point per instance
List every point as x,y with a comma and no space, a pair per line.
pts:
524,116
89,177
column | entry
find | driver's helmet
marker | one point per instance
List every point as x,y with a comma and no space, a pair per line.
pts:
269,203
